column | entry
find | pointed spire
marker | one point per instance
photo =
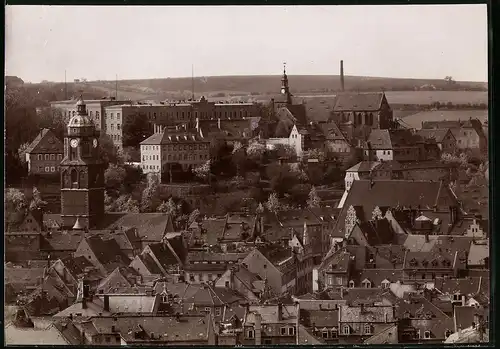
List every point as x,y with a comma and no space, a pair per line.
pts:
77,225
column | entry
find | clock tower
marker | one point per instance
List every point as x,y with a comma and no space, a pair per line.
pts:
82,172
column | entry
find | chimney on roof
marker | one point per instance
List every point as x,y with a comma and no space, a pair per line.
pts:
280,311
106,302
342,87
341,292
427,237
258,329
218,123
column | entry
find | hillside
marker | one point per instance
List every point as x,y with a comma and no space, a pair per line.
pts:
299,84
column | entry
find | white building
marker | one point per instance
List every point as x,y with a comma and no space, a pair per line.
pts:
294,140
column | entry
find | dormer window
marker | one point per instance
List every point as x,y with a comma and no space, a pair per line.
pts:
427,334
346,330
368,329
351,284
367,283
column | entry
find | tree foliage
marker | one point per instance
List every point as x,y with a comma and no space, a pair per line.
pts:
151,194
314,199
108,151
136,128
15,206
36,200
114,178
203,171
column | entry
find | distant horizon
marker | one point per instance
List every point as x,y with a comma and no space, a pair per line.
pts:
247,75
154,42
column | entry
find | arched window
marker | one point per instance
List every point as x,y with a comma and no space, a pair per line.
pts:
74,178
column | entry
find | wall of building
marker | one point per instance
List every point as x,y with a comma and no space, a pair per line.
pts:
44,163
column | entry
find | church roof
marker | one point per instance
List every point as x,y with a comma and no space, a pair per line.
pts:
359,101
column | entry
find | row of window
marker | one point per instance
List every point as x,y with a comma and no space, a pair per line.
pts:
48,169
203,115
49,156
177,147
186,157
116,137
112,127
210,277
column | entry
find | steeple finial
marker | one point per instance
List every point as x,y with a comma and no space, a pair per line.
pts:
284,68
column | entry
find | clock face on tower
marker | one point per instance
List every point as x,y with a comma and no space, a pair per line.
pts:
283,91
94,142
74,143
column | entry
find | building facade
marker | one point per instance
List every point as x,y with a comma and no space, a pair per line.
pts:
173,151
44,154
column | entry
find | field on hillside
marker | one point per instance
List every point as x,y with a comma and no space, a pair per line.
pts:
429,97
415,120
265,84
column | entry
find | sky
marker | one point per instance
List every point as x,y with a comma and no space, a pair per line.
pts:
100,42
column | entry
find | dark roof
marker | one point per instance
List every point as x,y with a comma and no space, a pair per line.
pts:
76,265
275,253
319,318
438,134
390,139
107,252
358,102
163,254
150,226
61,241
45,142
189,328
377,232
377,276
465,316
170,136
149,263
364,196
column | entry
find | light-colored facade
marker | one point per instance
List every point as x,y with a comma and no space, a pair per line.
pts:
162,151
294,140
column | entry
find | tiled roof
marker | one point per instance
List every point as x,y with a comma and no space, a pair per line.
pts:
377,276
357,296
358,102
465,286
377,232
61,241
23,276
189,328
438,134
368,314
125,276
212,229
45,142
150,226
393,193
219,257
107,252
149,263
305,337
169,136
269,314
364,166
478,253
163,254
387,335
319,318
390,139
33,336
94,308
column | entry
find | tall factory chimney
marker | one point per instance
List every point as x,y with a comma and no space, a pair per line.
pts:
342,75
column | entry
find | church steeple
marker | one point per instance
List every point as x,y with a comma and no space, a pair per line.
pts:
285,90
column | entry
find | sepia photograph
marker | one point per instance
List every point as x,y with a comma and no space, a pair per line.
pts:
246,175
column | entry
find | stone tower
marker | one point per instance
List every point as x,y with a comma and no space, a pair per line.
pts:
82,172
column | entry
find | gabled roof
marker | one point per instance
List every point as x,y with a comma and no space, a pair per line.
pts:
163,254
127,277
359,102
364,166
390,139
269,314
366,195
45,142
149,263
438,134
107,252
376,314
464,286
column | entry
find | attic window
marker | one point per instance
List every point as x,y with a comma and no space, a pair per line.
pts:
351,284
427,334
346,330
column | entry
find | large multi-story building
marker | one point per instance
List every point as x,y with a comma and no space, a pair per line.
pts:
174,151
95,109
